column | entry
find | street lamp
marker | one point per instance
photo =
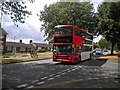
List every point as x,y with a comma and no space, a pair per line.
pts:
14,49
14,38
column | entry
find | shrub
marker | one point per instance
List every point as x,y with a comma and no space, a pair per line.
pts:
5,56
24,55
39,50
42,50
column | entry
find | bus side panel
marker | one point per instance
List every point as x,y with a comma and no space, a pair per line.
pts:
85,55
78,40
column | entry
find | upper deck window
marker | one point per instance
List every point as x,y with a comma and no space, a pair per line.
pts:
63,31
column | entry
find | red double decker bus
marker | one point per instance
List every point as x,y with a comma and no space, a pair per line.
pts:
71,44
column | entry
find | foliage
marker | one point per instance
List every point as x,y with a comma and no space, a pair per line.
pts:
16,10
24,55
103,43
96,45
5,56
42,50
109,22
67,13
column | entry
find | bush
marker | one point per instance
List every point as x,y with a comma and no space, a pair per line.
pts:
42,50
5,56
39,50
24,55
14,56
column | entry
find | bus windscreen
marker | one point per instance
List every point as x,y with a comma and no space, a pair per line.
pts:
63,39
62,49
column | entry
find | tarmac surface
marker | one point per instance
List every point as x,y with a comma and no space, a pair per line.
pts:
96,73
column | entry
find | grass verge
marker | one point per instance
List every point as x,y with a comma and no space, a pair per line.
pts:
7,61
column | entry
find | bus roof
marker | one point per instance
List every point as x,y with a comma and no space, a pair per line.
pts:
58,26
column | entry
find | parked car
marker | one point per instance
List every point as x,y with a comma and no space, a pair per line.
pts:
105,50
97,51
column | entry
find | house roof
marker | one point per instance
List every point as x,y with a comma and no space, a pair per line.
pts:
32,45
3,32
42,45
17,44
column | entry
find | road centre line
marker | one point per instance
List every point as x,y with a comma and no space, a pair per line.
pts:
51,75
73,69
63,73
57,75
50,79
66,82
23,85
44,78
40,82
68,71
31,86
35,81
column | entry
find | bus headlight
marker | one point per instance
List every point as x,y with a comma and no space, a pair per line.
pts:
69,57
54,57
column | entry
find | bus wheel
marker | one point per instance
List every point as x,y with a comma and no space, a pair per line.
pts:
80,58
91,56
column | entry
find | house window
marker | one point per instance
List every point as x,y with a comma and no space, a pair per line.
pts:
1,47
39,48
9,48
22,49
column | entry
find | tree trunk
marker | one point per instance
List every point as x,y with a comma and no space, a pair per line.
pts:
118,46
112,48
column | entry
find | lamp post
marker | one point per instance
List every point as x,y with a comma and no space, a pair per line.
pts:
14,49
14,38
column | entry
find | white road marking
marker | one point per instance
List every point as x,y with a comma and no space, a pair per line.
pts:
63,73
35,81
73,69
58,72
52,75
31,86
23,85
44,78
68,71
40,82
57,76
77,68
64,70
50,79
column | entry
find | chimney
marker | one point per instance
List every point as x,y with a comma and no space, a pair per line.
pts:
30,41
20,41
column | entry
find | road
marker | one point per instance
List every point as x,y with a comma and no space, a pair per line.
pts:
48,74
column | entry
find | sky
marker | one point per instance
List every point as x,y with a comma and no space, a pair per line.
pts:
30,30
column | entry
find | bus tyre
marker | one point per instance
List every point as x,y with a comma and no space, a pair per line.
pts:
91,56
80,58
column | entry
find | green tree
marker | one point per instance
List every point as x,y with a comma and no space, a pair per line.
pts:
67,13
96,45
16,10
109,22
103,43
